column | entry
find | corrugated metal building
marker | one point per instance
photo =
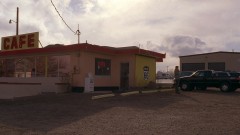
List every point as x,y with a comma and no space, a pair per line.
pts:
220,61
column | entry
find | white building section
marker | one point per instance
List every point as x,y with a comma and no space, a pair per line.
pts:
19,87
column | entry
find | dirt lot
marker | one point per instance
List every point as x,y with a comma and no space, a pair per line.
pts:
197,112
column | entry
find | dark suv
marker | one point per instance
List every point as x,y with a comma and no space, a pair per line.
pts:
234,74
208,78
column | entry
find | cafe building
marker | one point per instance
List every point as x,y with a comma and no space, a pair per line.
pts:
26,69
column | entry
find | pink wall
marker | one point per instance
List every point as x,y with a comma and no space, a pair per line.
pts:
86,62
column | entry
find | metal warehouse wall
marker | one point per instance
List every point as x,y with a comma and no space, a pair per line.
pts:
230,60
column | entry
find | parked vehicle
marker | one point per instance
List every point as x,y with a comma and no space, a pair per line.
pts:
221,74
234,74
208,78
185,73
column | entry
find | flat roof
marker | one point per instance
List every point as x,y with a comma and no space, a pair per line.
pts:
210,53
58,48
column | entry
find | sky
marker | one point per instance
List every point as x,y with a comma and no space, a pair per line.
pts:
174,27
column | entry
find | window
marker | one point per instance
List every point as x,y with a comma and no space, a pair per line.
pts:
24,66
52,66
102,66
35,66
1,68
9,66
40,66
221,74
58,65
64,65
203,73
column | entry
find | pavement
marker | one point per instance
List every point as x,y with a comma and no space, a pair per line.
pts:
151,112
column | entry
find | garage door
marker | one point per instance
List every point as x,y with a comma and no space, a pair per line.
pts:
193,66
218,66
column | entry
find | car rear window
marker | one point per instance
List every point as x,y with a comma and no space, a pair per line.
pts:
221,74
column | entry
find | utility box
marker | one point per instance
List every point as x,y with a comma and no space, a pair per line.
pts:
89,83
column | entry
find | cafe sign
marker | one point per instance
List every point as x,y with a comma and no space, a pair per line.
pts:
20,42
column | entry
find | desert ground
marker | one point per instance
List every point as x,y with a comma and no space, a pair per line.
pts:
208,112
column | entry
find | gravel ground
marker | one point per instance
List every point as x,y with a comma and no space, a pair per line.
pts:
198,112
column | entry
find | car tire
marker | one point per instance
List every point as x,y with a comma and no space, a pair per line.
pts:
225,87
185,86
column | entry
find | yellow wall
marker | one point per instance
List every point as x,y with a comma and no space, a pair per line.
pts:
142,61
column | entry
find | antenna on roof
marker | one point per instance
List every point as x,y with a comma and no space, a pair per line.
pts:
139,48
78,33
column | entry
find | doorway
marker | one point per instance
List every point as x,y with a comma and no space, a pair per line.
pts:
124,76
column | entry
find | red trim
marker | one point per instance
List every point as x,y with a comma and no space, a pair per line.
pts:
61,83
19,83
85,47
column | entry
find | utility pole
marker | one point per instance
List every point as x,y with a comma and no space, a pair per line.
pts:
17,21
78,33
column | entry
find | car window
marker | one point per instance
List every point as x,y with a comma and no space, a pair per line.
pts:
234,74
221,74
201,74
185,73
208,74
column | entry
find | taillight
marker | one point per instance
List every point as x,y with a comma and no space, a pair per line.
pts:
235,78
238,78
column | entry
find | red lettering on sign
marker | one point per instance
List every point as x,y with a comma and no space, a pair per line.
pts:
14,43
5,43
22,41
31,40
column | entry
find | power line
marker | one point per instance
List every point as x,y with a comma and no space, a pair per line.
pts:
3,5
62,18
40,43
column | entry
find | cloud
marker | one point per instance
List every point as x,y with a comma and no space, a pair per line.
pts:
184,45
178,45
177,27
